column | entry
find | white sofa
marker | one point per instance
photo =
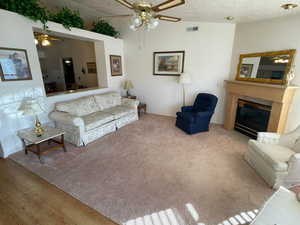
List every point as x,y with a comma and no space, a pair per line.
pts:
88,118
276,157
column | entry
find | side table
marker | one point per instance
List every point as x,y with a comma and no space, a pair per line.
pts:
33,143
142,107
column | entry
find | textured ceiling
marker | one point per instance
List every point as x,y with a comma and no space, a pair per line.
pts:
193,10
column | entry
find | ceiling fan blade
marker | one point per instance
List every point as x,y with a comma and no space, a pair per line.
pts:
168,18
116,16
125,3
167,5
53,39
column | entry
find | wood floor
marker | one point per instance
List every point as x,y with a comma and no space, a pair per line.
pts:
26,199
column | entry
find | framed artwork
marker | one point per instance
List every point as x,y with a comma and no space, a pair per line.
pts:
91,67
116,65
246,70
14,65
168,63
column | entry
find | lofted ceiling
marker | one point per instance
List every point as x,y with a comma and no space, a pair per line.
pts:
193,10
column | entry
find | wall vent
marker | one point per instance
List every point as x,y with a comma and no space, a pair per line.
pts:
192,29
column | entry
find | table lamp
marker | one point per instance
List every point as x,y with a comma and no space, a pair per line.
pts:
184,78
128,85
31,107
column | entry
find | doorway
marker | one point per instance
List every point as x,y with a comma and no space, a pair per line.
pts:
69,73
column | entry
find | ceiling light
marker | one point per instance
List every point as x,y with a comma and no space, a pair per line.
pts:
36,41
229,18
289,6
45,42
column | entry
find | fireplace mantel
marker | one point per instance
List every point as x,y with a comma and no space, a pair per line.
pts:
281,98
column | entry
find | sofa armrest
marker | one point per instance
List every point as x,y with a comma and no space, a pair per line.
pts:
130,102
66,118
268,138
293,169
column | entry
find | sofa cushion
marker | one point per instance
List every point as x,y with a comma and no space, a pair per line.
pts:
120,111
78,107
96,119
275,155
108,100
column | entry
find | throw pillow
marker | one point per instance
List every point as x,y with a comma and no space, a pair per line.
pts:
296,147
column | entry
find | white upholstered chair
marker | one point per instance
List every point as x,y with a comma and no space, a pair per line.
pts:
276,157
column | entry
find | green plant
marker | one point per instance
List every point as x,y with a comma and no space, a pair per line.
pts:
67,18
28,8
103,27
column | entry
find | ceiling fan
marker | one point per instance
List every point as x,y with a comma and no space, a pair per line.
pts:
44,39
147,14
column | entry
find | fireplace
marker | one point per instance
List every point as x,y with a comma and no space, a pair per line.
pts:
252,117
280,98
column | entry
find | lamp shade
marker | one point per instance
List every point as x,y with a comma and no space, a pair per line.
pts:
128,85
30,107
185,78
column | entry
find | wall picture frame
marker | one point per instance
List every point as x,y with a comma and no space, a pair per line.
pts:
170,63
14,65
116,65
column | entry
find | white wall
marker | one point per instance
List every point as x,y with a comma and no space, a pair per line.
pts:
207,59
271,35
17,32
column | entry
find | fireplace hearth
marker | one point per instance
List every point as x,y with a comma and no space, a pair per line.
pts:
252,117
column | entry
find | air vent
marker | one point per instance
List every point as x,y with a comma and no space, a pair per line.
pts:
192,29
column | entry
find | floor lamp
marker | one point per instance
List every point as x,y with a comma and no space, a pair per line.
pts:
184,79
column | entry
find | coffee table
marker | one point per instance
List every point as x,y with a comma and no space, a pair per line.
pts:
32,143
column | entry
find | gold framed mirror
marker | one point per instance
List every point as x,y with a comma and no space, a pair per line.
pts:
266,67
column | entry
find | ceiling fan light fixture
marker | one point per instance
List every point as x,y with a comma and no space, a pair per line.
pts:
154,22
36,42
136,20
45,42
132,27
289,6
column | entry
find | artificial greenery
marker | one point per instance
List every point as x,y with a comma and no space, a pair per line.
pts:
103,27
27,8
67,18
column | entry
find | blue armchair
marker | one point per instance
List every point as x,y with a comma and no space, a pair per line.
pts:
196,118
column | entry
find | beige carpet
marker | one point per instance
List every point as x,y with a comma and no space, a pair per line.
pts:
150,166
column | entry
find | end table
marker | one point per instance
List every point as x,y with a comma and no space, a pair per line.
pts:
32,143
142,107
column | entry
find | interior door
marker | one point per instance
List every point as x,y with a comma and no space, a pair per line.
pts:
69,73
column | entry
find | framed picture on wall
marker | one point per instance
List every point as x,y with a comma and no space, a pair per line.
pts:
14,65
91,67
168,63
246,70
116,65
